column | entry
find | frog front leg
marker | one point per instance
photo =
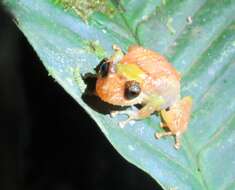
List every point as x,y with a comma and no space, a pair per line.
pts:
143,113
152,103
117,56
176,119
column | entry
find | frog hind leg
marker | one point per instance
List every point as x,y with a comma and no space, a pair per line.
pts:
176,119
143,113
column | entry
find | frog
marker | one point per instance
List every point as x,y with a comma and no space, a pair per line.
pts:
144,77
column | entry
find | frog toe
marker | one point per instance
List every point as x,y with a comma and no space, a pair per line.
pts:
123,112
162,134
122,124
177,146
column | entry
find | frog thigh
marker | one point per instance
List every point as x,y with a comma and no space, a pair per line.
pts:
178,116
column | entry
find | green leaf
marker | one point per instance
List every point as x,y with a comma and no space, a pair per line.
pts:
198,37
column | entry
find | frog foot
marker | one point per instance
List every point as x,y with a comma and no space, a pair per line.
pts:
116,48
122,124
169,133
131,116
123,112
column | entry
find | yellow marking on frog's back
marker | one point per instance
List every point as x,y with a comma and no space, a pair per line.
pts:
131,72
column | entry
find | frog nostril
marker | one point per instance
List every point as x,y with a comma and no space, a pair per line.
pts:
102,69
132,89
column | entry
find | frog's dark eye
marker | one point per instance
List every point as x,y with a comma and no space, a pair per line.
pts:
132,89
102,69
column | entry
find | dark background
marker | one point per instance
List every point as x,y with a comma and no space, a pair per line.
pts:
47,141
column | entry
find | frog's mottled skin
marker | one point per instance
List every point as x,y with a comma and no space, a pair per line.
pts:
160,89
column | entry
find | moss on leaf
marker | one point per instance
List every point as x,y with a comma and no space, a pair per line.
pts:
85,8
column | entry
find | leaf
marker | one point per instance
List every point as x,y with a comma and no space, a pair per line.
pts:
198,37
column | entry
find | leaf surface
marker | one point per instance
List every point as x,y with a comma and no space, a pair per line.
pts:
198,37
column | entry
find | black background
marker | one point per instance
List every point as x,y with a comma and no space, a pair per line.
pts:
47,141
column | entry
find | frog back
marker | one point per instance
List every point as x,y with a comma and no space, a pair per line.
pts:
152,63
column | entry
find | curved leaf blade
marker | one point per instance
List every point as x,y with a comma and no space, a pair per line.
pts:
202,49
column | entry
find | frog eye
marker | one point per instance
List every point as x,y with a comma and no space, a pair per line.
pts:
102,69
132,89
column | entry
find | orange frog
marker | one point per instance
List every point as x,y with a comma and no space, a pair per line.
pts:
145,77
